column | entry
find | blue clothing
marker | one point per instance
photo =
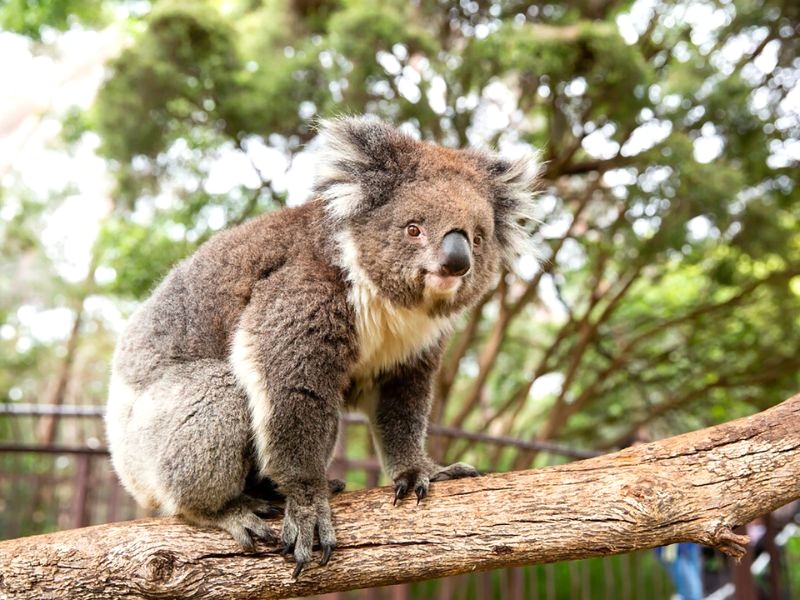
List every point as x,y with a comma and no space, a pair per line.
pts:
682,562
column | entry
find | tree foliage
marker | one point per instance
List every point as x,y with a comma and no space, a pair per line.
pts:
667,296
32,17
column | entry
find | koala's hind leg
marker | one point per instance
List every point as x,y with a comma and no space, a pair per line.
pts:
241,518
190,433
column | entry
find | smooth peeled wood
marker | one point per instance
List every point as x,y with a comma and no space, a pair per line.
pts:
693,487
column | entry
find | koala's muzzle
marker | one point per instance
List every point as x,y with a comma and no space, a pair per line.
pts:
455,257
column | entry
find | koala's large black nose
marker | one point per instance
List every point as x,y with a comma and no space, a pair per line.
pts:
454,256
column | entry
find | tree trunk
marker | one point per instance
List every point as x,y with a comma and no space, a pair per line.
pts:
47,429
694,487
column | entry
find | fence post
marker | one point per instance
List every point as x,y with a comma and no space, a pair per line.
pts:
79,505
401,591
515,578
774,558
741,574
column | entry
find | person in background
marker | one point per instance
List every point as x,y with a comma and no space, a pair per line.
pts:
682,562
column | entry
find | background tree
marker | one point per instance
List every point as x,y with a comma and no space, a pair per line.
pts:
669,205
667,291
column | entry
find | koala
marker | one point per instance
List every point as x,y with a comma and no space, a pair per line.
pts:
232,375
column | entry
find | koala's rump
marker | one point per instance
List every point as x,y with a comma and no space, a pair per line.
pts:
184,441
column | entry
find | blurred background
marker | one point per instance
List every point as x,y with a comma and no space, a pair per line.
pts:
666,297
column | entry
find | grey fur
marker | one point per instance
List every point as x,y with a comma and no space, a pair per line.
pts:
236,368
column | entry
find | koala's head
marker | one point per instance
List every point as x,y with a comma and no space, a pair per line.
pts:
425,225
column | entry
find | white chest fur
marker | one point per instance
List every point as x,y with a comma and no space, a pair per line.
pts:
387,334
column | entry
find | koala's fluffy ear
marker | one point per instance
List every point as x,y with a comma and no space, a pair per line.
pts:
514,183
362,161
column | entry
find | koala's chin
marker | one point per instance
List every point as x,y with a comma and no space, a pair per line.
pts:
442,287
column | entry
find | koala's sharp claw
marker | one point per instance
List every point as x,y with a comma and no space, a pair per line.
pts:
421,491
298,569
400,491
327,550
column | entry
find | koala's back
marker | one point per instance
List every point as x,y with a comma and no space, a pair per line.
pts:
193,313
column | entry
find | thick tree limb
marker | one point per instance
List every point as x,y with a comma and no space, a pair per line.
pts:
694,487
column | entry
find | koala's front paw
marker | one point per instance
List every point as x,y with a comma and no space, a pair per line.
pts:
415,478
419,478
307,509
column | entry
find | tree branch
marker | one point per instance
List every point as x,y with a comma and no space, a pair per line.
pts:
694,487
761,374
559,418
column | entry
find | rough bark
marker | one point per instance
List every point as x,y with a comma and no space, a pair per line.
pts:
697,487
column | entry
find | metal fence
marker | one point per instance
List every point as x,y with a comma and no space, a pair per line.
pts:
69,483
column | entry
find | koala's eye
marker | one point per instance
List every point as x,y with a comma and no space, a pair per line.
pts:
477,240
413,230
